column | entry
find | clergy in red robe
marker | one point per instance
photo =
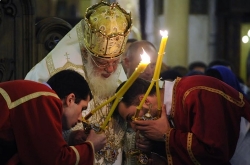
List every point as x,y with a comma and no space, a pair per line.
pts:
203,122
33,116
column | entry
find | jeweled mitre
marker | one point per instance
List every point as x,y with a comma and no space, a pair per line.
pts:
106,29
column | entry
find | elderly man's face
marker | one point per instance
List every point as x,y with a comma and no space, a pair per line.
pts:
105,66
103,75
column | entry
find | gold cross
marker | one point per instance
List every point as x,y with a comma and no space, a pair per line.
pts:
67,56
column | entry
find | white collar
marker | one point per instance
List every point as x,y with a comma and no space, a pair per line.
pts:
168,90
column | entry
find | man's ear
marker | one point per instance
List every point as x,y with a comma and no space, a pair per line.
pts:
70,99
141,97
146,101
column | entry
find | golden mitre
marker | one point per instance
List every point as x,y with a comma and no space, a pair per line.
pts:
106,29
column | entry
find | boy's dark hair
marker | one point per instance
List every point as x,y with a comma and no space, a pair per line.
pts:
130,97
139,87
70,81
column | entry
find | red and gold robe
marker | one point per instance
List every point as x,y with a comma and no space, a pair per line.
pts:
31,125
206,114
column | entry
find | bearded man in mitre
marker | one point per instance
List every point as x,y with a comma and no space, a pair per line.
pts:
93,48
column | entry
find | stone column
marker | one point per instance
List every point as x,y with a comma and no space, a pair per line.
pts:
133,7
175,19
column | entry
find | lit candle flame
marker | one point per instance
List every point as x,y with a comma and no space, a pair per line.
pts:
164,33
145,57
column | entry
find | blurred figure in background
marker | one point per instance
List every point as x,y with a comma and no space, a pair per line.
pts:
133,58
129,42
197,66
220,62
164,67
170,75
182,70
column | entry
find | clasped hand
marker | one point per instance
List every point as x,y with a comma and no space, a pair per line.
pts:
97,138
154,129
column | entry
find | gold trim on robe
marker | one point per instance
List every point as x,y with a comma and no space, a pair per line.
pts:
23,99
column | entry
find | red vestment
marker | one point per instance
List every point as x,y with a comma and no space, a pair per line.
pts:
31,125
206,114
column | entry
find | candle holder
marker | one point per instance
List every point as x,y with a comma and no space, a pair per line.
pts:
147,115
142,157
88,126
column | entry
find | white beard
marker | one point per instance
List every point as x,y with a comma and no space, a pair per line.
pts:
101,87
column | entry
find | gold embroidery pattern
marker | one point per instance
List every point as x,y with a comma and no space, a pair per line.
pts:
79,31
169,157
239,103
50,65
23,99
114,132
173,96
67,65
77,155
189,148
129,140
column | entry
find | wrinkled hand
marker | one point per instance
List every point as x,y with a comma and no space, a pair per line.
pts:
154,129
98,139
143,143
77,137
